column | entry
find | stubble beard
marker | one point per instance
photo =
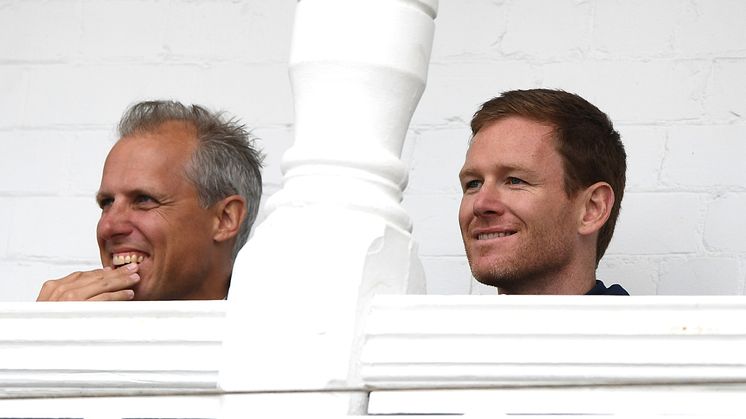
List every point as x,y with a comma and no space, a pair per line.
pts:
536,262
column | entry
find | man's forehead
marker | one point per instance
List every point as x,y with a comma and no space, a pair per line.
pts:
148,160
516,127
518,144
173,140
471,167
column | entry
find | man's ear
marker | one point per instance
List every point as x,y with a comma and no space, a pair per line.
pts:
230,212
597,202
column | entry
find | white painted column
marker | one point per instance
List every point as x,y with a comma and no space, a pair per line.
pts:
336,234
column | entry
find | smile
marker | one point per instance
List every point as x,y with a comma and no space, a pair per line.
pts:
125,258
487,236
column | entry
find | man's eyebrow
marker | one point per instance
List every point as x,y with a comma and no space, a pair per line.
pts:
513,168
466,171
521,169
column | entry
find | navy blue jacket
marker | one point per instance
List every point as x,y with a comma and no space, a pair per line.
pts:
600,289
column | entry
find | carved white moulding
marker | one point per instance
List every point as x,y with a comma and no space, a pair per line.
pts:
551,354
87,348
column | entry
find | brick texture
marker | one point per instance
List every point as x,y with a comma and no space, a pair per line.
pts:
669,73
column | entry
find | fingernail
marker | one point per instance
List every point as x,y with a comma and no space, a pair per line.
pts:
130,294
135,277
131,266
107,268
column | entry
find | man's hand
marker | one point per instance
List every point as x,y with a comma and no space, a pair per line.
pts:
105,284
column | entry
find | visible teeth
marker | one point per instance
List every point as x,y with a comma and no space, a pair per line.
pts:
487,236
122,258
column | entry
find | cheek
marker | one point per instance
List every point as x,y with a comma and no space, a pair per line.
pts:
152,228
556,212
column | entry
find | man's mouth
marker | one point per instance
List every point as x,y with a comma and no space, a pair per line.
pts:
119,259
488,236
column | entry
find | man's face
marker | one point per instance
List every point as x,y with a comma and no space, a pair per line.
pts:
518,225
151,212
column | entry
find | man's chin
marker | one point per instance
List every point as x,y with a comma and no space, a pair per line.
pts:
494,276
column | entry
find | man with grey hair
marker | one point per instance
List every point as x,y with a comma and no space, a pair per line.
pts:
179,193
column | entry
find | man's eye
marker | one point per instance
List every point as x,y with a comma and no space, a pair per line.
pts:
105,202
472,184
145,199
514,181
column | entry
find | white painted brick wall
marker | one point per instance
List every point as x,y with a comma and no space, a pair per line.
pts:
670,73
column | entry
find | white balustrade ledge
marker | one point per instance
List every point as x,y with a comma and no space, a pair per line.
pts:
419,355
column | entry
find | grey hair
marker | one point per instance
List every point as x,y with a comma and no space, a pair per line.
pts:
226,161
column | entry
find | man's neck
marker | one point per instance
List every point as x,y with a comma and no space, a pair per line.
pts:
575,282
212,288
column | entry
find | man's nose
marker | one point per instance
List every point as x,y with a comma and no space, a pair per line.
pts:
115,220
488,201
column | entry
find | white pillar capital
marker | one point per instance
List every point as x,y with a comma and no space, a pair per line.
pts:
358,69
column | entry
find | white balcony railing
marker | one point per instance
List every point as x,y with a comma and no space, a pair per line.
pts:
640,356
91,359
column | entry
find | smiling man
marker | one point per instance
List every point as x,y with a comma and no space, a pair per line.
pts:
179,193
542,188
